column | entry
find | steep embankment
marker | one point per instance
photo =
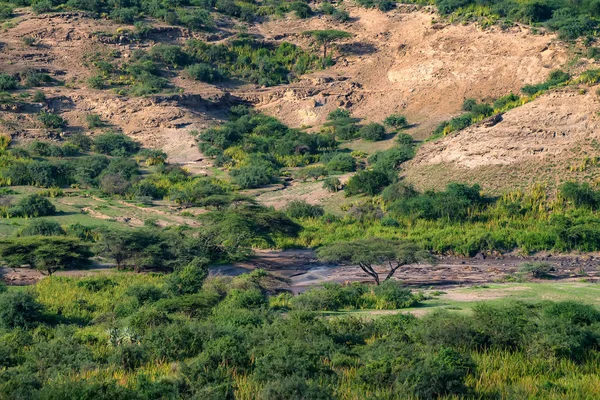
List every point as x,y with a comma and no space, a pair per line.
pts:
549,140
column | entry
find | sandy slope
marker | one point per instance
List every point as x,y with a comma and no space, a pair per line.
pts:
399,62
547,140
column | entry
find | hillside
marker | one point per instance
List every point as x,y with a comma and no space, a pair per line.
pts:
397,62
549,140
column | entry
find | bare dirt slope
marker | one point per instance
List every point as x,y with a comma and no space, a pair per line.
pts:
63,41
547,140
399,62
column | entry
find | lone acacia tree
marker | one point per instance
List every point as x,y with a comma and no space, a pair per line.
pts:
47,254
375,251
325,37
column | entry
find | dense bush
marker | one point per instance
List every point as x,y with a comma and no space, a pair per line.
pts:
570,21
19,310
115,144
204,72
51,121
32,205
372,132
367,182
7,82
302,209
396,121
341,162
454,203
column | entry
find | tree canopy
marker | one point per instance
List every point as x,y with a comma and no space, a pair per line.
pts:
327,36
367,253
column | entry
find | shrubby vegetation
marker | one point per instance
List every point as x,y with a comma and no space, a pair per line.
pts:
181,336
255,147
462,220
569,20
242,57
476,112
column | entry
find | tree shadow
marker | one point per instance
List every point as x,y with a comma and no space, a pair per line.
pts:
357,48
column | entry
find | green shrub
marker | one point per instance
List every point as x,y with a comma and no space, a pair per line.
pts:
18,309
204,72
33,205
51,121
372,132
341,163
42,227
396,121
332,184
7,82
115,144
302,209
301,9
367,182
39,97
94,121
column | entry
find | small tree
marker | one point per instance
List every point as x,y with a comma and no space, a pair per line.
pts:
396,121
366,253
332,184
47,254
372,132
326,37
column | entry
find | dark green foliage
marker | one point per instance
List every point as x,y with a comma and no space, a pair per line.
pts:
204,72
580,194
7,82
94,121
569,20
45,253
332,184
80,140
389,161
396,121
367,182
556,78
115,144
372,132
189,279
398,191
19,310
260,145
338,113
33,78
454,203
341,162
301,9
6,11
42,227
33,205
248,59
51,121
257,173
38,97
302,209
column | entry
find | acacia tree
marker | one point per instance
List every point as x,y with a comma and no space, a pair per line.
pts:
326,37
366,253
47,254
